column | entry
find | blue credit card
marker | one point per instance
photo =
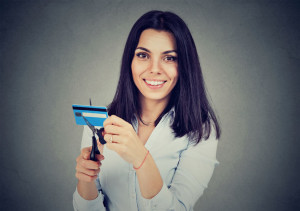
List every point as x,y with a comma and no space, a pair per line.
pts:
94,114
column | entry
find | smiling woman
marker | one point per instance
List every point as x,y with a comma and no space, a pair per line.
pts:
162,132
154,66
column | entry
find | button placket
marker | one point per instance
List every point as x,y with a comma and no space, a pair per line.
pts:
131,183
154,206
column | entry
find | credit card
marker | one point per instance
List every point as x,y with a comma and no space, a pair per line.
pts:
94,114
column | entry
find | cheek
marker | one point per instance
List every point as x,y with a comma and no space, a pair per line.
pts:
173,74
137,68
170,70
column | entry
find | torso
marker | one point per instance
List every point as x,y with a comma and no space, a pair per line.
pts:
144,132
118,176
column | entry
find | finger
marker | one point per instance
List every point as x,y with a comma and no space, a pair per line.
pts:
99,157
89,172
113,138
115,120
89,164
114,129
85,152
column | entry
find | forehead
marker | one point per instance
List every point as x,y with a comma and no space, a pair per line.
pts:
157,40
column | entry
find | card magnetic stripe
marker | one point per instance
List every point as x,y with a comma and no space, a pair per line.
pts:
95,115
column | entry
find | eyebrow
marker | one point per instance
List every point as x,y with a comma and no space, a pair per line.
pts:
165,52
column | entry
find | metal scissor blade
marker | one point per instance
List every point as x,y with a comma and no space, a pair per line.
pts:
89,124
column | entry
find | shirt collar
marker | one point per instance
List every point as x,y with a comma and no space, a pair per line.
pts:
170,114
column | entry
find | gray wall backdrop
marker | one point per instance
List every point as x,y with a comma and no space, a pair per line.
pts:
58,53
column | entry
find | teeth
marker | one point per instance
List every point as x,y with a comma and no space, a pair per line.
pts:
154,83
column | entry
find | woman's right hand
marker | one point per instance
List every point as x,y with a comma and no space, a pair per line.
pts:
86,169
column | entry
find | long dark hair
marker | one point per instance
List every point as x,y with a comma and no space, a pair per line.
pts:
193,114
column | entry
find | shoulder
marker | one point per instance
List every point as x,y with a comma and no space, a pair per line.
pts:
205,148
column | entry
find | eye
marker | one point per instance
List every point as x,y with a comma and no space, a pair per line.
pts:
170,58
142,55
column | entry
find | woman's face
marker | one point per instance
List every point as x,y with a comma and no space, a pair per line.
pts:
154,65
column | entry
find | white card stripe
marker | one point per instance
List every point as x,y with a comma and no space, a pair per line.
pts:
97,115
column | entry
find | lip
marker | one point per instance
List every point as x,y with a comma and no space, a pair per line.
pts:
154,86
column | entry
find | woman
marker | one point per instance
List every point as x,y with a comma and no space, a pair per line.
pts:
161,134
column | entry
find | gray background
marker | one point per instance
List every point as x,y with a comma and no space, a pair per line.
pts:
58,53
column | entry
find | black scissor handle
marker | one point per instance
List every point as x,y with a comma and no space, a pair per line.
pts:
101,138
94,150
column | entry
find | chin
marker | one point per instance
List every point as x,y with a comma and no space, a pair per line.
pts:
156,97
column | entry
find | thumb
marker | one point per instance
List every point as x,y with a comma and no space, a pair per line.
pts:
86,152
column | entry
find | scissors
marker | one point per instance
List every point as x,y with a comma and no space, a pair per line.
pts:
99,132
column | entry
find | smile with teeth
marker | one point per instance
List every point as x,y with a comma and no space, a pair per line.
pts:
154,83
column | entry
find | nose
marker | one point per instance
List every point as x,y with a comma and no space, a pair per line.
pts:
155,66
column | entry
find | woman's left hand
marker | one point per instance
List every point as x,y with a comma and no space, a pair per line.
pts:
122,138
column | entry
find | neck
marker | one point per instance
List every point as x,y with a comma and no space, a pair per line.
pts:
151,109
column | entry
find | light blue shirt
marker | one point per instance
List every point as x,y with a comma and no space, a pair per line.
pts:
185,169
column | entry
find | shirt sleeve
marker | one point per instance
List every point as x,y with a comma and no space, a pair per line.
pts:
193,173
80,203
